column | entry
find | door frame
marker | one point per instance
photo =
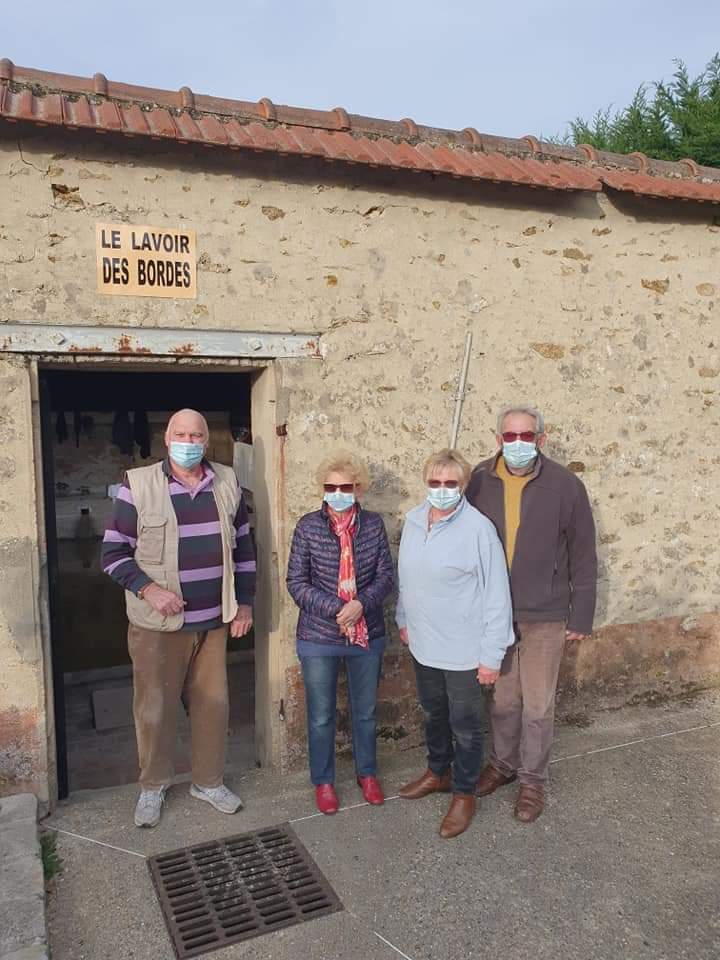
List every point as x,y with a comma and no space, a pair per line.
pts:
269,497
52,566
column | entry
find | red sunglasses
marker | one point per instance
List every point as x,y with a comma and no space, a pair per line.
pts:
527,436
334,487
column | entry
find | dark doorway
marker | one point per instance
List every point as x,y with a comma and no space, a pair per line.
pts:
96,425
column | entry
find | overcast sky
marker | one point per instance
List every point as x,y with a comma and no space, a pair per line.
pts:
513,68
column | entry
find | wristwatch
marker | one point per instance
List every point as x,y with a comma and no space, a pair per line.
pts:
141,592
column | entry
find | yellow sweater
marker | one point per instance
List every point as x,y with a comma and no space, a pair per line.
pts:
512,487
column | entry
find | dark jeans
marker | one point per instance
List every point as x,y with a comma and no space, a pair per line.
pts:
320,675
452,701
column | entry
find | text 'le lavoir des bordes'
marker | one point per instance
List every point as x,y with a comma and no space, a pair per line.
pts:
146,258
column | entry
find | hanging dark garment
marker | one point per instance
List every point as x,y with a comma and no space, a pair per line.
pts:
141,432
61,430
88,426
122,433
77,426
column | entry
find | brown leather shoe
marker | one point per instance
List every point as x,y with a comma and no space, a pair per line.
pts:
530,803
458,817
490,780
428,783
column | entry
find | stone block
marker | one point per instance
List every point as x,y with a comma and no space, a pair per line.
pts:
22,921
22,884
37,951
22,806
18,839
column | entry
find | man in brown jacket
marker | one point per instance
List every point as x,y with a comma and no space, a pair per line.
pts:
543,517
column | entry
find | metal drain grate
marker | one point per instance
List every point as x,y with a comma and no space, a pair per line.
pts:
219,893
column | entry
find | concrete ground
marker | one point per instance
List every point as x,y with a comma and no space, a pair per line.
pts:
625,862
22,885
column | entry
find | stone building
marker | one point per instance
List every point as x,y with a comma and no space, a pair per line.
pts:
336,265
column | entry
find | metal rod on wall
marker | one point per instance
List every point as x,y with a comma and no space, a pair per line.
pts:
460,396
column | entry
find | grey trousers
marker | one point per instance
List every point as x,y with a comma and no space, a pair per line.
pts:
522,707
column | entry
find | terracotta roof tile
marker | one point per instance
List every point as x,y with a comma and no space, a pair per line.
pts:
133,120
434,158
286,143
463,163
311,142
506,168
379,157
263,137
109,115
78,112
161,123
334,145
49,109
27,103
211,130
648,186
6,102
352,149
33,96
238,135
186,127
397,156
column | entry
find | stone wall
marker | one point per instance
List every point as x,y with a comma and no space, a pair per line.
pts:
23,717
601,309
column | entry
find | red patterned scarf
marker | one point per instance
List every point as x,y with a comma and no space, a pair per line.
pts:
343,525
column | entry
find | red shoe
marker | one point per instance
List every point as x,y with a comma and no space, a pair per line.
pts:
326,798
371,790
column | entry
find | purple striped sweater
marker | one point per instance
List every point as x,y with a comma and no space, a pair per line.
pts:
200,562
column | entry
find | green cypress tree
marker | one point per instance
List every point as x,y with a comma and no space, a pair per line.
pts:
679,119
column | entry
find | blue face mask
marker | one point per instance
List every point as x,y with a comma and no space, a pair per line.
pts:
186,455
519,453
443,498
339,501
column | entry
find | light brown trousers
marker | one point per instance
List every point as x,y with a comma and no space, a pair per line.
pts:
522,707
165,665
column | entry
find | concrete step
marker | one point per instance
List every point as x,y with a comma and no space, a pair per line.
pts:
23,933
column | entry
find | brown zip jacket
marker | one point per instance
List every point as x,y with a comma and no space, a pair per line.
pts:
554,570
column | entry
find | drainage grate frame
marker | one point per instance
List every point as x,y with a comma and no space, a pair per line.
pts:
222,892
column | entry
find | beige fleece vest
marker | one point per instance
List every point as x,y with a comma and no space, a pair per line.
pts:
156,551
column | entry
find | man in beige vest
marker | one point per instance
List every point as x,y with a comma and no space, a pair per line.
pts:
179,544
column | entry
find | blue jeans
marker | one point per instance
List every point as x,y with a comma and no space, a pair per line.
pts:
320,676
453,704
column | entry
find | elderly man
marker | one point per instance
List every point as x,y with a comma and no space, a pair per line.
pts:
542,514
179,543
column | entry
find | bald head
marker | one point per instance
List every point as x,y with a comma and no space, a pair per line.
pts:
187,426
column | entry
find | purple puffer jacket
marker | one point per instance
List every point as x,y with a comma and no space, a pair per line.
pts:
313,568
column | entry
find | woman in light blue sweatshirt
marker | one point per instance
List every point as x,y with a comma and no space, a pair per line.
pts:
455,614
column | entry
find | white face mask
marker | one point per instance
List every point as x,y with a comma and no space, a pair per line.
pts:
186,455
443,498
339,501
519,453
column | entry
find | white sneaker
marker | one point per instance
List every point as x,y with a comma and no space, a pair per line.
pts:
149,807
220,797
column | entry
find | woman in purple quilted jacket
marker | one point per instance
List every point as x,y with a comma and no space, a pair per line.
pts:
339,573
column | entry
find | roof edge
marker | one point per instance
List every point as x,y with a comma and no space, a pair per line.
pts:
338,119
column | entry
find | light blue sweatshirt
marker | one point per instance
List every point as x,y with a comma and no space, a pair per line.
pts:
454,592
